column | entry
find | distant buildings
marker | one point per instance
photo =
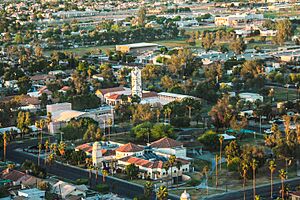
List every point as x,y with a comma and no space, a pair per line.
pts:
234,20
251,97
63,113
137,48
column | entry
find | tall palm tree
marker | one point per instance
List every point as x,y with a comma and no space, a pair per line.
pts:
46,150
282,175
89,165
206,171
157,115
272,167
104,175
166,167
109,123
178,166
97,174
49,118
162,193
245,168
167,113
254,166
39,155
4,137
50,159
172,160
221,139
216,160
61,148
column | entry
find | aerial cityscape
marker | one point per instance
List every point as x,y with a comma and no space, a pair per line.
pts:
149,100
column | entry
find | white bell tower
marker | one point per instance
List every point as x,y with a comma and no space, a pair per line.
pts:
136,82
96,154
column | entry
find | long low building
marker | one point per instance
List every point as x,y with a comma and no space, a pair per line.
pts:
62,113
137,48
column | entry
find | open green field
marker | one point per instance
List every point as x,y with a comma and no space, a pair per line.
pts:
282,93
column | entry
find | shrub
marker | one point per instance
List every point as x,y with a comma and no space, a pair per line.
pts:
82,181
194,182
102,188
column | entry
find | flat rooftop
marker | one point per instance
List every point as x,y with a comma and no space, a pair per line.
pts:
139,45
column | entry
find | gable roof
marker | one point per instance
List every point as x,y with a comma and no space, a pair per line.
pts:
13,175
166,143
130,147
142,162
108,90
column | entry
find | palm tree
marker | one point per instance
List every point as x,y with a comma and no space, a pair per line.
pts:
157,115
61,148
254,166
272,167
166,167
172,160
89,165
221,139
178,166
257,197
49,119
205,171
282,175
109,124
4,137
97,174
162,193
104,174
46,150
50,158
39,155
245,168
167,113
216,160
148,189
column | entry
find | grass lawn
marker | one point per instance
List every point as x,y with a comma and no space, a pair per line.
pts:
200,164
281,94
124,138
233,181
81,50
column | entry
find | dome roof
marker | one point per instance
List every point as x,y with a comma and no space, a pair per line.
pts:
185,195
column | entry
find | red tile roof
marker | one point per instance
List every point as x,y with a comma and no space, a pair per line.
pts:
166,143
65,88
108,90
142,162
13,175
130,147
114,97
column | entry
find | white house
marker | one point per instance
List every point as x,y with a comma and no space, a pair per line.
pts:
32,194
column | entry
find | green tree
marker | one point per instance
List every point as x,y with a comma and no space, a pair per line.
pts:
142,16
284,31
208,41
238,45
132,171
24,84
